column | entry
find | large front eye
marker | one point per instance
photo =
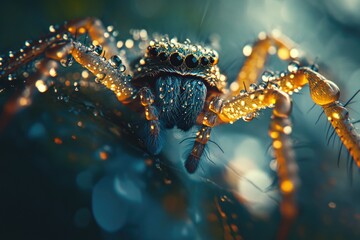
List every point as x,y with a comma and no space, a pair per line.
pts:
176,59
213,60
163,56
191,61
204,61
153,52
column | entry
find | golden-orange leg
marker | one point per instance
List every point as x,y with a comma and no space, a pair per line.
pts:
246,105
257,56
325,94
279,131
108,72
33,49
207,121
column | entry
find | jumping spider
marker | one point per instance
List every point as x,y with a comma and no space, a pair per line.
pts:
180,84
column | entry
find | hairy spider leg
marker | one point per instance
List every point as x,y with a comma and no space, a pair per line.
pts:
56,39
257,55
246,104
209,120
31,50
111,74
22,98
326,94
154,141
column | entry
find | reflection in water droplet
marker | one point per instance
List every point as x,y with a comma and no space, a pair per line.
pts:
267,76
293,67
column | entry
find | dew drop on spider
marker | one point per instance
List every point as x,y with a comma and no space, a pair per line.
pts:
293,66
28,43
67,62
98,49
253,87
267,76
122,68
115,61
262,85
99,77
11,77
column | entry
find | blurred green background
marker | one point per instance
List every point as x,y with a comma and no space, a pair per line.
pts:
65,191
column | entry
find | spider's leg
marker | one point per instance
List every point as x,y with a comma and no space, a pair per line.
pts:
72,29
153,142
110,72
257,56
326,94
244,106
207,121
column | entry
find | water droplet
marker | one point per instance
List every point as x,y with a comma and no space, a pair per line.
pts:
67,62
115,61
274,86
28,43
249,117
293,67
11,77
314,67
99,77
66,36
98,49
242,92
253,87
52,28
262,85
267,76
122,68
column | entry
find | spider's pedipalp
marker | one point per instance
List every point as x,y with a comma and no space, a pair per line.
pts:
209,120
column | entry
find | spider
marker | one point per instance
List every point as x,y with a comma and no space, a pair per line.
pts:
178,84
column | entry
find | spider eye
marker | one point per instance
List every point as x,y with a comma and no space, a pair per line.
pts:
175,59
191,61
98,49
213,60
163,56
152,51
204,61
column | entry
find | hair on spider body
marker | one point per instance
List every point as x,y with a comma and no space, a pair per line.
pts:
181,77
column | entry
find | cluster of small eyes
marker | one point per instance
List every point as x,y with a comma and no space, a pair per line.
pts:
177,54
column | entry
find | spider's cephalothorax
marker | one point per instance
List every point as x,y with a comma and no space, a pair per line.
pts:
179,84
180,76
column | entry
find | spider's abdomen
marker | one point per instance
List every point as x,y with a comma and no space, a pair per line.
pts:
179,99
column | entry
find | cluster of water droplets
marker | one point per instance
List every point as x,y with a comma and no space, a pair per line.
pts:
271,78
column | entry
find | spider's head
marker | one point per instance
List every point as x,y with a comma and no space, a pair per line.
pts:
171,56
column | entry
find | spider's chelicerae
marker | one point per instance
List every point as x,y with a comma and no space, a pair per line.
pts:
180,85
